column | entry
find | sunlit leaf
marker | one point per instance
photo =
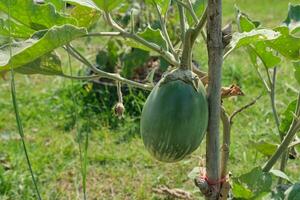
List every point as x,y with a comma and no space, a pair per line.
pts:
297,71
59,4
151,35
252,37
245,24
40,44
35,16
108,5
280,174
86,16
266,54
239,191
16,30
86,3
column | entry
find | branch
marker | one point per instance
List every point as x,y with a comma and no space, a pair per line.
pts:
182,19
102,74
243,108
164,31
167,55
294,128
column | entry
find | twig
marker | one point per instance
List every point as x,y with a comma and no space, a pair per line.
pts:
293,144
243,108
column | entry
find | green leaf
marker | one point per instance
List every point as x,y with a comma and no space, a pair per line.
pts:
40,44
162,4
297,71
265,148
198,6
58,4
280,174
108,5
293,18
239,191
85,3
287,117
35,16
49,64
286,44
257,181
245,24
151,35
16,30
293,193
252,37
265,54
85,16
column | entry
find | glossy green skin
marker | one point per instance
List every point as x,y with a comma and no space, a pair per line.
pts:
174,120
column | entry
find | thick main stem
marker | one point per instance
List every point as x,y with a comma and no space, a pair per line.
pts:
215,60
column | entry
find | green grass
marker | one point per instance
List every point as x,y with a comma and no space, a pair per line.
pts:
119,167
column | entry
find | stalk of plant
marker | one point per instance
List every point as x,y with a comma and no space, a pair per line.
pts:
16,110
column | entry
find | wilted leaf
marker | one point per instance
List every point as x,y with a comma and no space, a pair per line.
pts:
40,44
265,148
35,16
151,35
16,30
287,117
293,193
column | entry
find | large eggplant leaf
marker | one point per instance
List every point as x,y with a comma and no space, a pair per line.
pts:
35,16
108,5
49,64
162,4
38,45
252,37
16,30
297,71
258,49
59,4
286,44
151,35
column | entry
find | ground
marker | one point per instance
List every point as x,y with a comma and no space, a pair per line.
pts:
118,165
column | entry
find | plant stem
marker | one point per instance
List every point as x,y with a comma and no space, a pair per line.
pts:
155,47
186,58
16,110
215,60
295,126
76,54
182,20
165,32
226,142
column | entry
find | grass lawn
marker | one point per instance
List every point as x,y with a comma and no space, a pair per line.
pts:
118,165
